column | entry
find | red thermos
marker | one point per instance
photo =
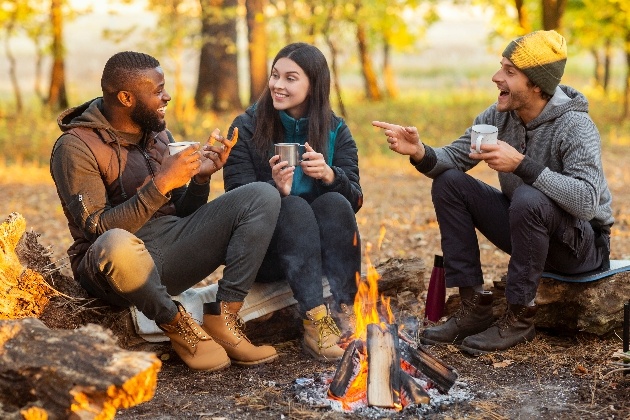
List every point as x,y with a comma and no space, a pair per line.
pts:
436,295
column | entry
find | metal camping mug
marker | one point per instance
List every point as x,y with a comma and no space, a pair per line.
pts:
289,152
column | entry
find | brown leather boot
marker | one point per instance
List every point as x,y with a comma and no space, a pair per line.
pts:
472,317
345,319
221,321
321,335
516,326
195,347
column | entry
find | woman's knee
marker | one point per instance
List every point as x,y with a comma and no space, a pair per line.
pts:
265,194
295,213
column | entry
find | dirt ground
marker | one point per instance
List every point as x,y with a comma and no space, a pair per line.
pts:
556,376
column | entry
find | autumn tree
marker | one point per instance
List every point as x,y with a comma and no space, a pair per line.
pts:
11,13
257,47
217,83
57,96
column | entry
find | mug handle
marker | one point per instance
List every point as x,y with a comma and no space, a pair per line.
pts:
478,143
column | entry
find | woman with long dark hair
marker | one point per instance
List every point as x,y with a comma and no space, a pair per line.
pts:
316,234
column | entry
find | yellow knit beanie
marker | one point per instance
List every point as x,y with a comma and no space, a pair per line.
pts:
541,55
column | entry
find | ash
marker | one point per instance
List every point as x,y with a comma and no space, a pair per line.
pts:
313,392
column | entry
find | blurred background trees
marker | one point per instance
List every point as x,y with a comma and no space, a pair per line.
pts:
374,27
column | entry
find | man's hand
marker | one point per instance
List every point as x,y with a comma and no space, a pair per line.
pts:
215,156
176,170
501,156
314,165
403,140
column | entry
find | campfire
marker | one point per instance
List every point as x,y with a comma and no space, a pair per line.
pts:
382,366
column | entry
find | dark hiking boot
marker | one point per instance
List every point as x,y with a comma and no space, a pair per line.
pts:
516,326
472,317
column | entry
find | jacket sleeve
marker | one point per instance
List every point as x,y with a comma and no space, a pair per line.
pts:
346,167
240,168
79,184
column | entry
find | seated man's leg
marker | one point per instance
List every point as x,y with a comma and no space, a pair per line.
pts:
543,235
118,269
234,229
464,204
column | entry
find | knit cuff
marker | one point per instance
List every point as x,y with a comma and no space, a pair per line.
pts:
529,170
428,162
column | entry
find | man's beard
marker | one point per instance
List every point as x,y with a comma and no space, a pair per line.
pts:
147,118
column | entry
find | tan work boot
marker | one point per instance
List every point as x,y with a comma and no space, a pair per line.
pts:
221,321
321,335
195,347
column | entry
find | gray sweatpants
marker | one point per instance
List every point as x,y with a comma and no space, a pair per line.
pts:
170,254
535,231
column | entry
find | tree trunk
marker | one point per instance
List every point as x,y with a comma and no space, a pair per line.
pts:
626,96
552,13
57,98
12,65
257,46
599,67
523,18
217,84
607,64
388,71
372,91
335,74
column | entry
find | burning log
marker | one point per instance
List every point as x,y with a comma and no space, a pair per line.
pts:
383,366
411,392
346,372
418,360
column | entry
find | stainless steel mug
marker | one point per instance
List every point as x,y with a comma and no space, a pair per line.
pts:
289,152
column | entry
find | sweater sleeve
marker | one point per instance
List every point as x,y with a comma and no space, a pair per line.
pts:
81,188
579,186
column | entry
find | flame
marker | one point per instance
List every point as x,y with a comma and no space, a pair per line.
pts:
366,302
369,308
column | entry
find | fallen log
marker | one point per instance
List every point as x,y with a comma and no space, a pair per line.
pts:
62,374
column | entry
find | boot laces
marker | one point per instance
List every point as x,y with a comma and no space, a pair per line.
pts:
507,320
234,323
465,307
326,327
188,329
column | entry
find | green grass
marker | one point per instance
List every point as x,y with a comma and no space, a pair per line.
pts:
441,114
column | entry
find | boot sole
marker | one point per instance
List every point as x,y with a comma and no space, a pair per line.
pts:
319,357
430,342
255,362
478,352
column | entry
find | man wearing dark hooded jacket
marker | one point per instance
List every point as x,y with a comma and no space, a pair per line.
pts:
553,211
142,225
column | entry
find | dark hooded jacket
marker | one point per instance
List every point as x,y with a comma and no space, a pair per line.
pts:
246,165
105,182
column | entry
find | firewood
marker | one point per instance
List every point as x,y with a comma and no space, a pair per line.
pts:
346,371
411,392
383,365
419,361
70,373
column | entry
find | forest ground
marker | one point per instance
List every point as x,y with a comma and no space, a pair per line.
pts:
554,376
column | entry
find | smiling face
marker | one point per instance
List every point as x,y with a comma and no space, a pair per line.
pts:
516,92
151,100
289,87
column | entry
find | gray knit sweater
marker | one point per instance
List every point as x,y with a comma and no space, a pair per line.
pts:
562,155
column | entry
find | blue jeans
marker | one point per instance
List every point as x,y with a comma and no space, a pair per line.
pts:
535,231
170,254
312,240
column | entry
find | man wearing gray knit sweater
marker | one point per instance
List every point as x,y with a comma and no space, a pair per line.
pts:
552,213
